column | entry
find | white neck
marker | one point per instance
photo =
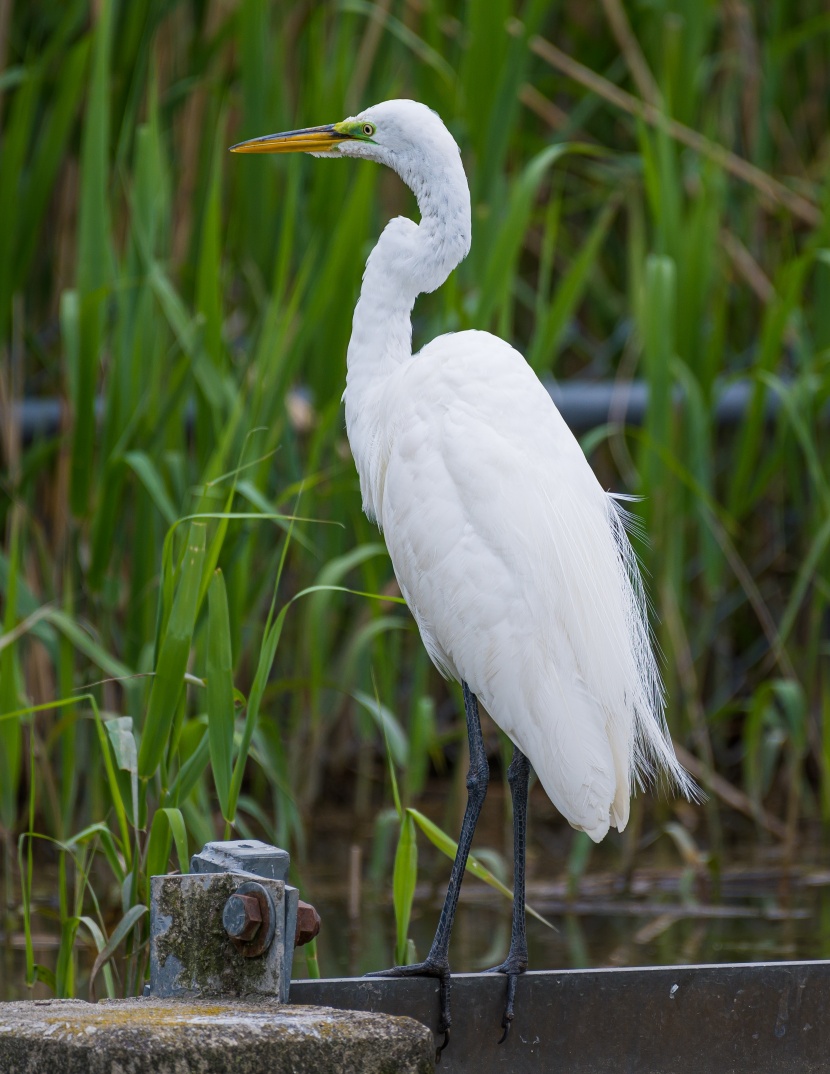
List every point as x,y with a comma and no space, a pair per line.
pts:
408,259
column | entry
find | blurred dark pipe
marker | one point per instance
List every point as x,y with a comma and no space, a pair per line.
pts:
583,404
587,404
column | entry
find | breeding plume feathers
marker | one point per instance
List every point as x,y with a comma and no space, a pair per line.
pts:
519,572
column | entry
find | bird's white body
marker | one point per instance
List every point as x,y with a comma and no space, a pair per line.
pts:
512,558
503,544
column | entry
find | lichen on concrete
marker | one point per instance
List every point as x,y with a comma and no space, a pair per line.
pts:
191,953
252,1036
196,937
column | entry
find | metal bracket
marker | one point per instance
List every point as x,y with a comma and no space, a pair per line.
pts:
242,856
767,1018
228,927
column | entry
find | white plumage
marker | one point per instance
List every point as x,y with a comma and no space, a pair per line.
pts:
517,569
514,561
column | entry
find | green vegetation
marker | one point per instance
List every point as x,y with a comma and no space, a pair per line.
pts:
190,645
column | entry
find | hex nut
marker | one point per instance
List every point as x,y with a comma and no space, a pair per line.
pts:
264,933
242,917
308,923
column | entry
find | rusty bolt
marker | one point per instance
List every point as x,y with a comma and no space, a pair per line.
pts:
242,917
308,923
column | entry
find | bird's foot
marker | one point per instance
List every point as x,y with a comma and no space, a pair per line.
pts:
512,967
430,968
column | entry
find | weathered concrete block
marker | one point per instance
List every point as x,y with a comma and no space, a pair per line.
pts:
190,953
253,1036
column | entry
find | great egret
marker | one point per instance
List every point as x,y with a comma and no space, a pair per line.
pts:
512,558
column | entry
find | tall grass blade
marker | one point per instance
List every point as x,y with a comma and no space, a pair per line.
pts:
105,951
168,827
11,742
168,682
94,258
220,703
404,878
449,847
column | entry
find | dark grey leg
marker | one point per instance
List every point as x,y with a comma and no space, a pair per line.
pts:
437,963
518,775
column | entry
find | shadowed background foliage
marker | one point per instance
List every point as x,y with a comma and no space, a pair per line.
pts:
650,201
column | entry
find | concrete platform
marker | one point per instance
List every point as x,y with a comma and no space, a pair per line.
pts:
148,1036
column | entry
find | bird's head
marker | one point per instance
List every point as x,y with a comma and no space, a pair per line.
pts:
411,139
403,135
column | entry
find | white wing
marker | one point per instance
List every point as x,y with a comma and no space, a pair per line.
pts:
517,569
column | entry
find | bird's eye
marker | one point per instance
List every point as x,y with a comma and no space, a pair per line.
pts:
368,129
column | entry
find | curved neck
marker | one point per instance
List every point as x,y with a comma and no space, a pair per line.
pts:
409,259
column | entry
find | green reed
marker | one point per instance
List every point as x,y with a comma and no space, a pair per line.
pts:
206,302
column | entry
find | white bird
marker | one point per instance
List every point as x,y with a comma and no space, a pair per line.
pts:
514,561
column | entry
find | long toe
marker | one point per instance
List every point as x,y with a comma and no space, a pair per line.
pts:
429,968
511,965
507,1019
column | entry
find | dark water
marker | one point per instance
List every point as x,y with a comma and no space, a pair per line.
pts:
761,915
650,899
671,908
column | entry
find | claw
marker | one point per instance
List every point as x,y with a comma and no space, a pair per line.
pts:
429,968
507,1020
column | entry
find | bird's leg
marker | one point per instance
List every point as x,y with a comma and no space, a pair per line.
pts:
518,775
436,964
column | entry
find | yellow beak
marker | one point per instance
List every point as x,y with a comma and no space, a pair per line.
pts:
307,140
